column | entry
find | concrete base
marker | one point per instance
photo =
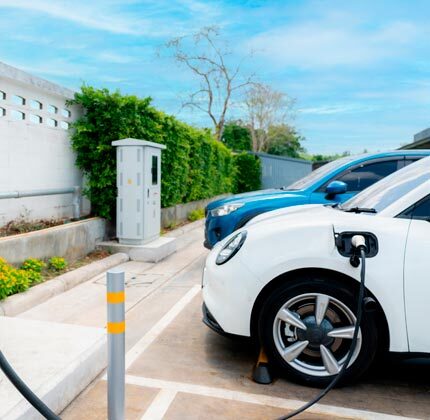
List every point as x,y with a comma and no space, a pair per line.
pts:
153,251
71,241
57,361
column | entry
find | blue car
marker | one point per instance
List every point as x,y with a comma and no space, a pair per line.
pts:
332,183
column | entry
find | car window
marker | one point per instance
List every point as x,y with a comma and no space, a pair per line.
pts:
367,174
408,161
387,191
319,173
419,211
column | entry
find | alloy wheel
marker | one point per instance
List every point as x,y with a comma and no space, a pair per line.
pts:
313,332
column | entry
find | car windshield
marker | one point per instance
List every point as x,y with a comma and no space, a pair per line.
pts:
319,173
388,190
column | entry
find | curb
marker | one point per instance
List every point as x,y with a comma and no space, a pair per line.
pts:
21,302
185,229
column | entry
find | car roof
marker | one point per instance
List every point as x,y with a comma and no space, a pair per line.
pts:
347,162
399,152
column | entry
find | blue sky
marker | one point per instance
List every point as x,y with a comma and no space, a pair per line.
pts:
360,71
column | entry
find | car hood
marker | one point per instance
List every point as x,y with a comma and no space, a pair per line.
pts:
306,211
255,196
312,215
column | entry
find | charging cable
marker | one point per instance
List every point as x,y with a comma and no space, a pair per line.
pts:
28,394
359,243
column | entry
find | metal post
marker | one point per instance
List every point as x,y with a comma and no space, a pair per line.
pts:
116,344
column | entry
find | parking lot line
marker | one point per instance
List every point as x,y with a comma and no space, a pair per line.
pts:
158,328
287,404
160,405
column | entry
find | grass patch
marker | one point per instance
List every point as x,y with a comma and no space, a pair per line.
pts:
196,214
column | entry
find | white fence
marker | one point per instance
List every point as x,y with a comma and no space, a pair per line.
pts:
35,150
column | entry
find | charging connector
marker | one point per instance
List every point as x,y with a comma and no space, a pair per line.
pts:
358,241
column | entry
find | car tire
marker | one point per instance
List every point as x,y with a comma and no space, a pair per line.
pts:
284,337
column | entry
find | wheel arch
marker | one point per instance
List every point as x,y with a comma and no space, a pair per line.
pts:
383,329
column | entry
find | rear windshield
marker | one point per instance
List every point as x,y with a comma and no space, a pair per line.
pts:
390,189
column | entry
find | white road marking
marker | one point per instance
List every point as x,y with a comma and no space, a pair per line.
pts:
287,404
160,405
158,328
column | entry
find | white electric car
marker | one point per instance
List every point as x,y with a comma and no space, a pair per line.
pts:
289,279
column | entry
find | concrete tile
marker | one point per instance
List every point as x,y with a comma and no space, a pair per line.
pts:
189,406
189,352
92,403
56,361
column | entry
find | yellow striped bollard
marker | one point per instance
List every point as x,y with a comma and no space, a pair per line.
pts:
116,344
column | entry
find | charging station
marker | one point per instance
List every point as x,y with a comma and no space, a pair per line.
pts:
139,190
138,203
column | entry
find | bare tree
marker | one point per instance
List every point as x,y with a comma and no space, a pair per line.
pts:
265,108
209,60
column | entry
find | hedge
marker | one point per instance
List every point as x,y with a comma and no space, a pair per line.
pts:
248,169
194,165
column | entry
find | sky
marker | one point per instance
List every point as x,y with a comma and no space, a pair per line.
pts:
359,70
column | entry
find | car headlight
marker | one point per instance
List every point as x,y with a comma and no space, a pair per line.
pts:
231,248
226,209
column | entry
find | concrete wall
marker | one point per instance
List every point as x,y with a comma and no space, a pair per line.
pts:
33,153
279,171
71,241
179,213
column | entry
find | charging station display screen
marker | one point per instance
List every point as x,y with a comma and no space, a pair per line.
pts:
154,171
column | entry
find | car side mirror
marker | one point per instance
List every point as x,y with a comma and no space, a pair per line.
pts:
336,187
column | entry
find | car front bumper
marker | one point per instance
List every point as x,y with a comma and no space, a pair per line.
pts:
210,321
217,228
229,292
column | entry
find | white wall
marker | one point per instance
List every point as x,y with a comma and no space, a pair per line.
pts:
35,155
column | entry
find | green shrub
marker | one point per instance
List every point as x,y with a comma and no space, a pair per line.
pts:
33,264
248,173
34,267
57,263
236,136
194,165
12,280
196,214
34,277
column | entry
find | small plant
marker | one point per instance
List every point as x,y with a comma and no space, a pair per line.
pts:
33,267
57,263
33,264
12,280
196,214
24,225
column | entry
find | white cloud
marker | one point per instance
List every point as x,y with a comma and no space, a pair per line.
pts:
334,42
124,16
337,109
55,67
99,15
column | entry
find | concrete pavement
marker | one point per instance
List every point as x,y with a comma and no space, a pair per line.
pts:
178,369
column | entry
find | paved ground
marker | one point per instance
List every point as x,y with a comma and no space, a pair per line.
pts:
178,369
